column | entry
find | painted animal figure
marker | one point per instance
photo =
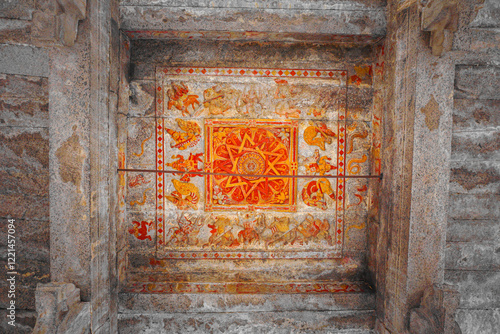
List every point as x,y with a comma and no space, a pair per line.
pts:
248,235
186,233
314,229
279,232
250,99
137,181
189,164
317,164
221,233
215,101
189,138
178,97
315,193
185,196
284,90
141,230
287,110
318,134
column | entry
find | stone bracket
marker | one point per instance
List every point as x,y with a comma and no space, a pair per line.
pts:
55,22
60,310
436,312
440,18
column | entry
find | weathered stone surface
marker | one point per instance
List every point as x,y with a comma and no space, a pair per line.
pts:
147,53
76,321
17,9
141,268
484,145
477,41
60,310
270,4
23,86
71,156
480,206
15,31
474,231
478,321
470,115
429,171
488,15
32,260
475,177
25,322
340,22
24,172
142,98
32,242
472,256
23,101
360,103
478,289
360,322
227,303
24,112
24,60
477,82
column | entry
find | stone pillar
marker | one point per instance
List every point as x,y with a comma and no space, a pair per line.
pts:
417,146
83,161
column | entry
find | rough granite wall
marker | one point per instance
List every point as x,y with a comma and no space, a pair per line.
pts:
473,237
24,160
473,248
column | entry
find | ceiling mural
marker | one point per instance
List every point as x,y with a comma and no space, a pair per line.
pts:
247,163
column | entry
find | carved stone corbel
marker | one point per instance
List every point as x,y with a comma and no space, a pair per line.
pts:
60,310
436,312
56,21
440,17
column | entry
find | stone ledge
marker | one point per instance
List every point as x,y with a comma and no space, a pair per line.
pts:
340,322
221,303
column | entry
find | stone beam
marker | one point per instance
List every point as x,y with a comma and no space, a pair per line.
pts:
318,17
